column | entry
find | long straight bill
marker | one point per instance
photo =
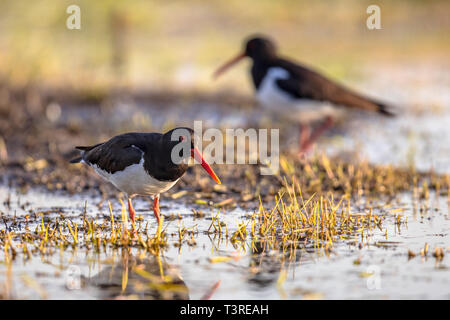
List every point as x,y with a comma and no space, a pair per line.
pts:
199,158
227,65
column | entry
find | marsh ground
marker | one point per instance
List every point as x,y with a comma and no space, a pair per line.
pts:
371,220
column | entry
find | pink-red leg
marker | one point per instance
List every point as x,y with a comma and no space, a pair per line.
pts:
156,207
305,133
316,134
131,211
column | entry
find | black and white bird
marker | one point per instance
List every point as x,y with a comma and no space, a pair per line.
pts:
143,163
296,92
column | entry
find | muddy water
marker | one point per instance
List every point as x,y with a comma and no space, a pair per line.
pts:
381,269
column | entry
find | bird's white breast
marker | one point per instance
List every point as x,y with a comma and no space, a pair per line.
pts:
273,98
134,180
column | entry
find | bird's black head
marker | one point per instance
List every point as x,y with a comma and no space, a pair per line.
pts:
181,145
176,145
180,134
260,48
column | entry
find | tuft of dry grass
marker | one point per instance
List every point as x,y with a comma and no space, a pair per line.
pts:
319,221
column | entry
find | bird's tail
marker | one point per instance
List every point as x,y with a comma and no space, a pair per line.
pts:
83,149
87,148
354,100
76,160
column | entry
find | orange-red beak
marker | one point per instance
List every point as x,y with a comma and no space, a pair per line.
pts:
227,65
199,158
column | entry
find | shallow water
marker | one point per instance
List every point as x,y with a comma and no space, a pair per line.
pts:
74,273
418,137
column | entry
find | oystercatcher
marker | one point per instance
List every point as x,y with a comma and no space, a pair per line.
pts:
144,163
297,92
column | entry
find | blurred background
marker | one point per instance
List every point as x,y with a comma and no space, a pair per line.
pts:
155,44
135,64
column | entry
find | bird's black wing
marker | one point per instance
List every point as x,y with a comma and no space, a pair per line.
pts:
305,83
116,154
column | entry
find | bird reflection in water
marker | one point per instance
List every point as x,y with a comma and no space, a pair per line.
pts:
268,265
145,278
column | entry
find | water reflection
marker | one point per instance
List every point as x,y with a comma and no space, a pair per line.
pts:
135,277
268,266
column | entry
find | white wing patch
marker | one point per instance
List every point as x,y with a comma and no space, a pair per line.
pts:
273,98
269,94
